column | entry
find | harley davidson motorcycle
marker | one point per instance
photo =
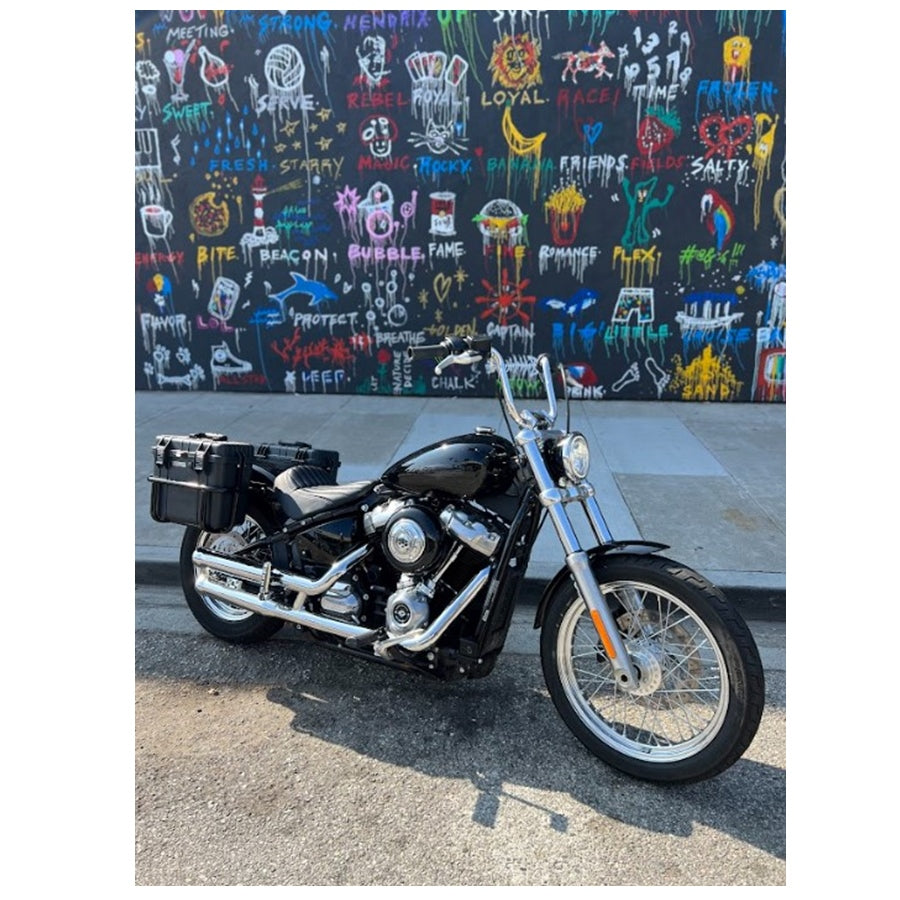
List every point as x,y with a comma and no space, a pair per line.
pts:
648,664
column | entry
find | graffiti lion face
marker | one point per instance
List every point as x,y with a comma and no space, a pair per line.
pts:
514,62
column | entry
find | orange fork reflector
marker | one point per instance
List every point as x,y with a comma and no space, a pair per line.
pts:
604,637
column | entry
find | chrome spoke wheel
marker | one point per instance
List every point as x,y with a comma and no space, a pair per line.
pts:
681,699
228,543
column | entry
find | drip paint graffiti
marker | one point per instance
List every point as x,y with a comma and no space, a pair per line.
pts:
317,190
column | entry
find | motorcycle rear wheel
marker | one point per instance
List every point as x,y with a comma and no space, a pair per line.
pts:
701,687
225,620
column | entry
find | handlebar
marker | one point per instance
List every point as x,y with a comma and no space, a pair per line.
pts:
470,349
450,346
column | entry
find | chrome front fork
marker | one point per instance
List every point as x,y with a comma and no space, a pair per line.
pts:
554,500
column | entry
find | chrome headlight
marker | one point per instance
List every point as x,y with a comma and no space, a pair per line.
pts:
575,455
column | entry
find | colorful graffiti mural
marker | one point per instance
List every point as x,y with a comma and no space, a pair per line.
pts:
316,190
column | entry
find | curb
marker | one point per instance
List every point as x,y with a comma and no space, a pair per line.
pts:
758,604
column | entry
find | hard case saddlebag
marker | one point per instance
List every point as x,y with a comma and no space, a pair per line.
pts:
200,480
281,455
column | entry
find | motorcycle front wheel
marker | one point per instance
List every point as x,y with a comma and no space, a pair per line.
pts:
701,689
221,619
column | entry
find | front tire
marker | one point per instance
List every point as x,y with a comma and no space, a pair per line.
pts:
221,619
701,689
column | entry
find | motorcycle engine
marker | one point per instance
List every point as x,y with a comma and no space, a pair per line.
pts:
435,550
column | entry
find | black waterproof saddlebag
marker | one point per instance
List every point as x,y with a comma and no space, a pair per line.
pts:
277,457
200,480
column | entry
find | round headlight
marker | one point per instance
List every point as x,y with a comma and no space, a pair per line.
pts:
576,456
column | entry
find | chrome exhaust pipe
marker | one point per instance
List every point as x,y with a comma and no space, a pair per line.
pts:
269,608
266,575
423,639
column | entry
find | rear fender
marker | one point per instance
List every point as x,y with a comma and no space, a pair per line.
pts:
595,555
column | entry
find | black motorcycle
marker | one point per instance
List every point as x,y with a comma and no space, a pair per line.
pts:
649,665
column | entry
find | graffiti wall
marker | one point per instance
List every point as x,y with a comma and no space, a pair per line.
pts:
317,190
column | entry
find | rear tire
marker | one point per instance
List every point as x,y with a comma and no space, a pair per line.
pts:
221,619
701,688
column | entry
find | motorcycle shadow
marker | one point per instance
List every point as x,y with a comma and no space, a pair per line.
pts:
502,734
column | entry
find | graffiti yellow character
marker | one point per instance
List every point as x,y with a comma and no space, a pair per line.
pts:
762,157
736,58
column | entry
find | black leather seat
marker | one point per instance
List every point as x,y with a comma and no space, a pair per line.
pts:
299,498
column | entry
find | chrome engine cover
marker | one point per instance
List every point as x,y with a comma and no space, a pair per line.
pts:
408,608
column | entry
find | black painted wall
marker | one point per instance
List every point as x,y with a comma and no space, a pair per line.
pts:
316,190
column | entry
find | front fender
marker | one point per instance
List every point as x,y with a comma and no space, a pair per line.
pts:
594,555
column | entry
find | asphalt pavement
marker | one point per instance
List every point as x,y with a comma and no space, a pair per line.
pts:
707,479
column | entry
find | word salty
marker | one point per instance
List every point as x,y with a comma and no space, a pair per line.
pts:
715,171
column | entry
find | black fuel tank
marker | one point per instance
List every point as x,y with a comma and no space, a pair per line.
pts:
468,465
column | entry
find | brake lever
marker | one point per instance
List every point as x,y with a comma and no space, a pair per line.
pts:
466,358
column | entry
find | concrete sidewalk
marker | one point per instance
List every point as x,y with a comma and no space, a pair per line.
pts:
708,479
